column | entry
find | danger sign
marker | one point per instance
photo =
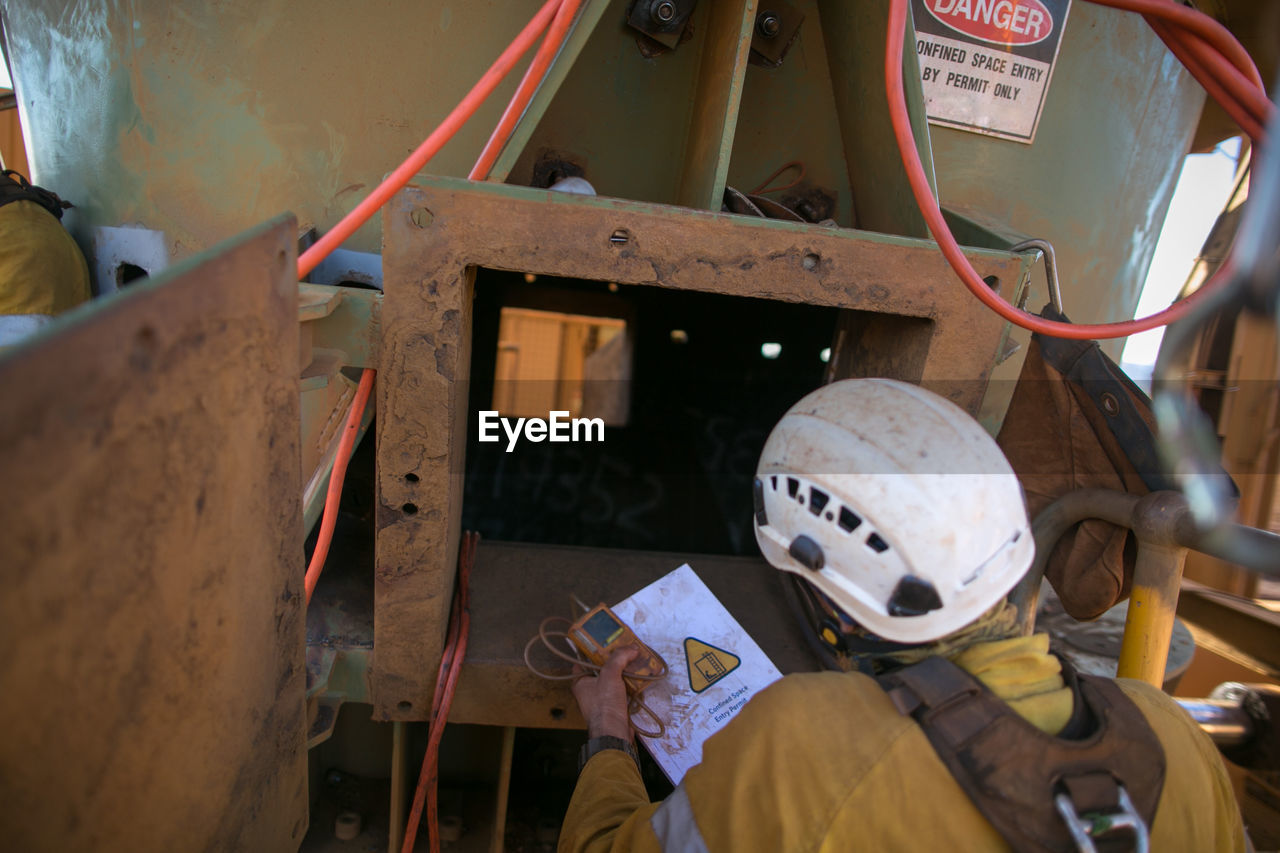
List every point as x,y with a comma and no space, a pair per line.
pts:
986,64
707,664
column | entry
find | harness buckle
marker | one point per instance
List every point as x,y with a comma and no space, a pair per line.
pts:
1084,828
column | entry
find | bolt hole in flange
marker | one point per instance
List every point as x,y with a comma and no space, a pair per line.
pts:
810,261
409,509
557,713
620,236
992,282
411,477
404,705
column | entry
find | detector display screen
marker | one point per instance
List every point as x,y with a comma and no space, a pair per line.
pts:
602,628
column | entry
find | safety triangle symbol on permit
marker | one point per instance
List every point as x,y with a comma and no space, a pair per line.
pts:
707,664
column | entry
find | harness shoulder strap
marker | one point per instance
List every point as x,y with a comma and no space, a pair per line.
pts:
14,187
1020,778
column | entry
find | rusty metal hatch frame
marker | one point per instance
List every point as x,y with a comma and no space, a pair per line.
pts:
439,230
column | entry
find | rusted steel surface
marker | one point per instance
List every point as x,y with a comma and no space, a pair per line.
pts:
515,586
436,234
152,565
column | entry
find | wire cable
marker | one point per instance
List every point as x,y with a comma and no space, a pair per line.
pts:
530,83
764,185
426,793
1227,52
1195,24
333,495
413,164
584,668
1216,90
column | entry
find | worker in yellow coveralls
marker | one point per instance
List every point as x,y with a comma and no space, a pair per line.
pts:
42,270
907,528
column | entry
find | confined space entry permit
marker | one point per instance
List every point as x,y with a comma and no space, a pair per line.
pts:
714,667
985,64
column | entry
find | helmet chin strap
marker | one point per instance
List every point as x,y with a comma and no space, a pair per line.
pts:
838,642
842,644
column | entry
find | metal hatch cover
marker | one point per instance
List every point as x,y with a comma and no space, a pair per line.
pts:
151,564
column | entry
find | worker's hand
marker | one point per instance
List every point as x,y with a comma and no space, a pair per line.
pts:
603,698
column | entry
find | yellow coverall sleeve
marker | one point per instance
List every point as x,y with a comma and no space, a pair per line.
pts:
1198,809
610,809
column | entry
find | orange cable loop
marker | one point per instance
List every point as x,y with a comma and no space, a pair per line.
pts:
465,109
764,185
333,495
1195,26
529,84
1239,113
426,792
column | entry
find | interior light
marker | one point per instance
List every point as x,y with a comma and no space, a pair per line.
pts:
679,336
825,355
530,278
771,350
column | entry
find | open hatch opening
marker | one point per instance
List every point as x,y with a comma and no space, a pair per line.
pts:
685,387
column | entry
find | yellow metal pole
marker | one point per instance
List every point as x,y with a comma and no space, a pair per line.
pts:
1153,602
498,840
399,778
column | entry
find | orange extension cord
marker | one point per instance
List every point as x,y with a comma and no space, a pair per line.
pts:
431,146
333,495
370,205
455,649
524,93
1215,55
560,14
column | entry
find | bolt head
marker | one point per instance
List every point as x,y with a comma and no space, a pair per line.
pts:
664,11
421,217
768,24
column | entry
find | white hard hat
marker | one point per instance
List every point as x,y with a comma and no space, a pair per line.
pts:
895,504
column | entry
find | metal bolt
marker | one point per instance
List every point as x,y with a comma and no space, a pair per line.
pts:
421,217
663,11
346,826
768,24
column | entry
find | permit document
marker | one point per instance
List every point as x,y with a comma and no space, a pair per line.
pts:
714,667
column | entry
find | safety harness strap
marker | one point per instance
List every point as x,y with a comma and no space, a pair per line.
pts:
1042,793
14,187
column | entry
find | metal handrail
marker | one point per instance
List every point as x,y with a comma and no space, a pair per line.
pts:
1165,529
